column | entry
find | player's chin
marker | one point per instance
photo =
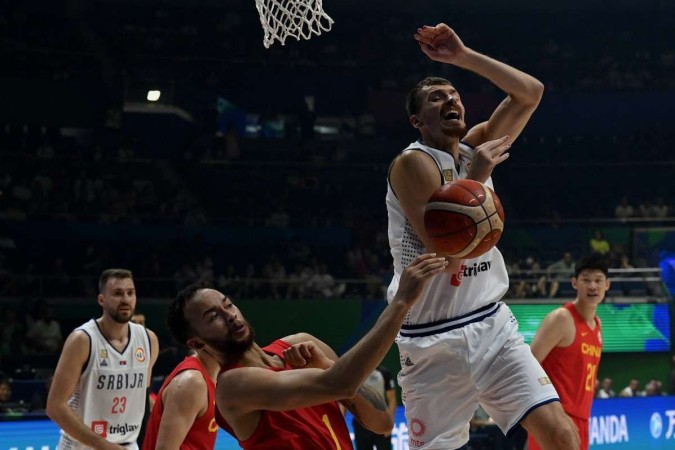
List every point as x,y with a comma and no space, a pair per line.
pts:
454,128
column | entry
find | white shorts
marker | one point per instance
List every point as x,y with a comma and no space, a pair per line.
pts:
449,367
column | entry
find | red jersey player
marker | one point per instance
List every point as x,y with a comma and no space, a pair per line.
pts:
265,404
569,343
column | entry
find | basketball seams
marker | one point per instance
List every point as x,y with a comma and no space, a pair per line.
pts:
458,225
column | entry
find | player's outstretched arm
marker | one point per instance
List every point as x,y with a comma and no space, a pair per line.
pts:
66,376
524,92
184,400
368,406
260,389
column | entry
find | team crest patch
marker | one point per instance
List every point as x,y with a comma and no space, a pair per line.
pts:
103,353
448,175
100,427
140,354
544,381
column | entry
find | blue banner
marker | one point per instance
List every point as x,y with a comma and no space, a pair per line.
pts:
646,423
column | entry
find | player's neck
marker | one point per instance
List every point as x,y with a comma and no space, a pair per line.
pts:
587,311
212,363
112,330
256,357
448,144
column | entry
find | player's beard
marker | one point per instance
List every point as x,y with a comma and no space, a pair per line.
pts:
121,317
458,132
234,349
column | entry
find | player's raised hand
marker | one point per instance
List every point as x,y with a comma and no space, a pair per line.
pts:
415,276
487,156
441,43
306,355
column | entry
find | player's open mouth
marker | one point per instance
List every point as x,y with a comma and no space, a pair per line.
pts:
451,115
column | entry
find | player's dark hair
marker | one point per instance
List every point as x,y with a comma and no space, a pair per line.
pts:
113,273
594,261
413,102
176,322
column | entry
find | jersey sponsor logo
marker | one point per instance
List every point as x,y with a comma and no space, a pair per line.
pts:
469,271
417,430
121,381
104,363
590,349
124,428
139,354
408,362
100,427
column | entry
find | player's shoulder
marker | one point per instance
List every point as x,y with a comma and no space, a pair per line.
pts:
297,338
188,379
560,315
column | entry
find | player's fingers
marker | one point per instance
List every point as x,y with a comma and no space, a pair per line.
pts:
306,352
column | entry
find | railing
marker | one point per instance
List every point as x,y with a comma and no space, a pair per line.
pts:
626,285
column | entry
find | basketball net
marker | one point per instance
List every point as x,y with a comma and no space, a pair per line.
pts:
297,18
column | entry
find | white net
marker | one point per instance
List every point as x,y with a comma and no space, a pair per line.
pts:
300,19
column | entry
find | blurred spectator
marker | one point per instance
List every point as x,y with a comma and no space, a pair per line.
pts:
606,390
660,209
624,210
646,209
275,273
10,327
6,404
138,318
632,390
324,285
598,243
44,333
560,271
653,388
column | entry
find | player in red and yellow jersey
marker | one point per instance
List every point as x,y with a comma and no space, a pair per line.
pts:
184,413
262,401
569,344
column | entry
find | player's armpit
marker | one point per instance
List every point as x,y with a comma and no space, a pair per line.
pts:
555,331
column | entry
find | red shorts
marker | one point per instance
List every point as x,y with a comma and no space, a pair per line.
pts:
582,426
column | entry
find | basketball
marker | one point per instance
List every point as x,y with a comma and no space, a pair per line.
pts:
464,219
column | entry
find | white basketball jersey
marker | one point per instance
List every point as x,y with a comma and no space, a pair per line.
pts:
110,396
480,280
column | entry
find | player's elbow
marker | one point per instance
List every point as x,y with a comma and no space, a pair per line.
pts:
535,92
383,424
53,411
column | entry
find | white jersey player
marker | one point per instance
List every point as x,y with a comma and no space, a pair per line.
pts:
459,345
99,389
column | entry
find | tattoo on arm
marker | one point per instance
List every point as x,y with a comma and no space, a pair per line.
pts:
373,398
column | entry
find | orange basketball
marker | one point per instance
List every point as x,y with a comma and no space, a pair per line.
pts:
464,219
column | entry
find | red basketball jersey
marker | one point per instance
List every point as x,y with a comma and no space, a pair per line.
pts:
574,369
320,427
202,434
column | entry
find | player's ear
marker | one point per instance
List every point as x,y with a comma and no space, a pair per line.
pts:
574,283
415,122
195,343
100,299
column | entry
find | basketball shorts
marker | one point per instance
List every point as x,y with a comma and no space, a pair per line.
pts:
449,367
